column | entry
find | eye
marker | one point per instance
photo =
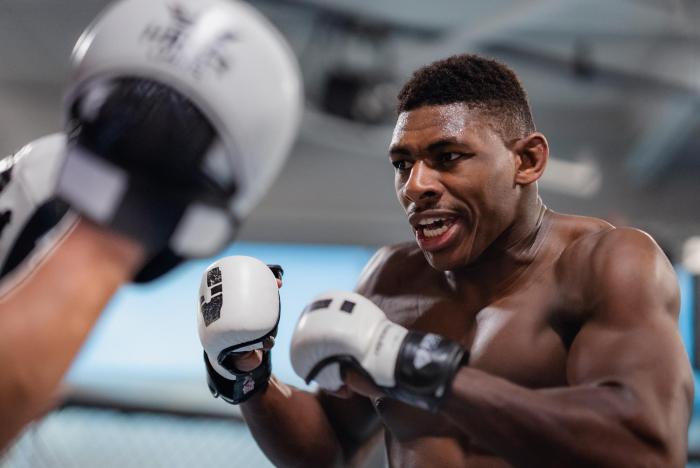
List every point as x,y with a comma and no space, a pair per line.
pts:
402,164
449,157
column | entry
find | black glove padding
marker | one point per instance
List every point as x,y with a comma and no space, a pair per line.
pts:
135,164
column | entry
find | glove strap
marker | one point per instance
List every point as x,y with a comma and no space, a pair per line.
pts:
244,386
425,368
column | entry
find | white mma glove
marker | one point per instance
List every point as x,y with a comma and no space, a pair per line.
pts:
239,309
344,328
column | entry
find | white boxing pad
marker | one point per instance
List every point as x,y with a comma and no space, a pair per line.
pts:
225,57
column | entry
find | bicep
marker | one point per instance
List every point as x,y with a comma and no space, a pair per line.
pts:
630,340
647,355
641,376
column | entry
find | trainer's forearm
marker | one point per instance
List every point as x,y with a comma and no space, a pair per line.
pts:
291,427
568,426
46,316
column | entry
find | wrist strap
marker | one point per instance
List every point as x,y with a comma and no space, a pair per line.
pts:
244,386
425,368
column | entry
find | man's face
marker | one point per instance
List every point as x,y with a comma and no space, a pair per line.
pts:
455,178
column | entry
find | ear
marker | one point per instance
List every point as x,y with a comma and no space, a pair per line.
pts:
531,154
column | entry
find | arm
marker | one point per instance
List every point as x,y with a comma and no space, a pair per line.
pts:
630,393
298,428
66,291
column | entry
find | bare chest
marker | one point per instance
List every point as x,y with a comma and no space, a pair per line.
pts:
515,337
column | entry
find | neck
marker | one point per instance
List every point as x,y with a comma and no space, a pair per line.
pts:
518,239
507,257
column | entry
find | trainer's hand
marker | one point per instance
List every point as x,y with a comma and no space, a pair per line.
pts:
341,331
167,140
237,320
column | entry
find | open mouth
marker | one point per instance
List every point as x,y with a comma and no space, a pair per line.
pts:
431,228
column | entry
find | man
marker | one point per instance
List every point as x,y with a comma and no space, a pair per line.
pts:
163,160
543,339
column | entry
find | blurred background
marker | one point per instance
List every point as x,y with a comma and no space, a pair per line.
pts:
614,84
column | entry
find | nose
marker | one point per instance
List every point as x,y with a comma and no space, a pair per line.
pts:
423,183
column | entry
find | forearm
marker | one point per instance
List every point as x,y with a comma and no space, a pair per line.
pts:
47,315
298,428
569,426
290,426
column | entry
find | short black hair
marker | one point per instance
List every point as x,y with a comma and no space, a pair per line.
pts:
479,82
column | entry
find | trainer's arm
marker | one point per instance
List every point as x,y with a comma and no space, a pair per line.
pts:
46,316
631,390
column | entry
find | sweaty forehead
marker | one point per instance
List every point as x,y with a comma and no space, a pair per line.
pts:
430,123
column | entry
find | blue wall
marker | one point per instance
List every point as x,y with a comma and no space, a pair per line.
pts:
151,331
686,324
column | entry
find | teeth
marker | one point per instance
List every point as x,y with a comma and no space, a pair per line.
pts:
425,222
435,232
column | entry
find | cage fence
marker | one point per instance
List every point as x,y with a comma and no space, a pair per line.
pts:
82,437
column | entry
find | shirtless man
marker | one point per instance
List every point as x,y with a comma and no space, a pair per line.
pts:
564,327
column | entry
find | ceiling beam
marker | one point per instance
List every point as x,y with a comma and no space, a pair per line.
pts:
463,39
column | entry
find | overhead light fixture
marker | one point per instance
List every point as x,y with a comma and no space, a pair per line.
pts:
580,177
364,97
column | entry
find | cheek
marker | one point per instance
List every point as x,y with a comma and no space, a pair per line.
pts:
399,184
398,187
501,183
486,185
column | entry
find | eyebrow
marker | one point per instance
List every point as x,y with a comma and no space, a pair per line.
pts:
433,147
442,143
399,150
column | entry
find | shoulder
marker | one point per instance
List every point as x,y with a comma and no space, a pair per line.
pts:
609,249
621,268
390,266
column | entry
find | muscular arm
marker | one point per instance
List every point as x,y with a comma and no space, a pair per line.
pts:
298,428
630,387
46,316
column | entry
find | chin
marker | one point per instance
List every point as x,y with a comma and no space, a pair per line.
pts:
452,259
443,261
